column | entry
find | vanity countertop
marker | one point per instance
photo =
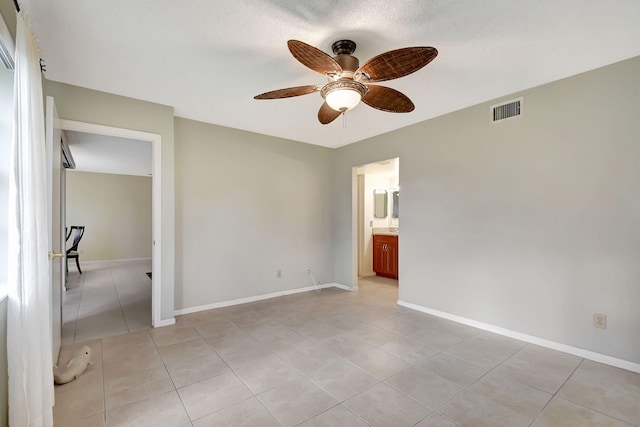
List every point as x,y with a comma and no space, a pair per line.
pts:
385,231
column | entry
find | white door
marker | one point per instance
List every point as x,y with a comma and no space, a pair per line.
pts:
56,238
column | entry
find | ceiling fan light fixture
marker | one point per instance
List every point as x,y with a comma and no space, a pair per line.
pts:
349,82
343,99
343,95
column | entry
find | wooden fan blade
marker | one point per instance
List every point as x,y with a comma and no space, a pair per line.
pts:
395,63
387,99
288,92
327,114
313,57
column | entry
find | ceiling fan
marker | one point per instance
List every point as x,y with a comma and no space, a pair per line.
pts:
349,83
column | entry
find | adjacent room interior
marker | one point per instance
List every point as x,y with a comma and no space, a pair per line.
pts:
108,192
284,290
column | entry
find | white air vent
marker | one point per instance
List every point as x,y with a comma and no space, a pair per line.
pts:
506,110
7,48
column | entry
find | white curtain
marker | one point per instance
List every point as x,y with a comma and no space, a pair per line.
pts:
29,312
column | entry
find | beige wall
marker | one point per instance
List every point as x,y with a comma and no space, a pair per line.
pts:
531,224
116,211
246,206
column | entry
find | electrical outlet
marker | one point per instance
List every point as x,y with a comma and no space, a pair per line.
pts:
278,273
600,320
308,270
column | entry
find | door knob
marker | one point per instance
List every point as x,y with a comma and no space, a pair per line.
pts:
53,255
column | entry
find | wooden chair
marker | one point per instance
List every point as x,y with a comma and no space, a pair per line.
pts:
77,231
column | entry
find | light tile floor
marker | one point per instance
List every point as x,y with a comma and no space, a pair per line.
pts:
107,299
338,359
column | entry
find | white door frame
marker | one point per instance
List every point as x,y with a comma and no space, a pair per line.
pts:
53,136
355,253
156,189
357,220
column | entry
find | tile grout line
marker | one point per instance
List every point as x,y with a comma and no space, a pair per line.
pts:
576,403
75,328
464,388
556,392
257,395
267,409
487,373
175,389
339,402
221,373
115,288
104,383
152,396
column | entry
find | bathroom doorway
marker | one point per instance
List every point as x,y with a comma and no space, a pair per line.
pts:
377,201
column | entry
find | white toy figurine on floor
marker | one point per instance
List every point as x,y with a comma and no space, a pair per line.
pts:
76,366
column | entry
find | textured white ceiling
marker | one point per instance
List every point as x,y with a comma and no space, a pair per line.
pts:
208,59
108,154
389,168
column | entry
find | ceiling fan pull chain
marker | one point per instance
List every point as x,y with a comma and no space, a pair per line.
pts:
344,120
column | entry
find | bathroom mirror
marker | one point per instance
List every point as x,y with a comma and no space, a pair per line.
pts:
380,203
395,199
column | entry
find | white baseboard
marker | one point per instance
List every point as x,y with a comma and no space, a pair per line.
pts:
250,299
344,287
166,322
72,263
576,351
113,261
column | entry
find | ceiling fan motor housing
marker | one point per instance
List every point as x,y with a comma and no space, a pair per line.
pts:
343,50
348,63
343,47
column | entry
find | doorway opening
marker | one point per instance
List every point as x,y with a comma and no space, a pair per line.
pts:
137,140
376,220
